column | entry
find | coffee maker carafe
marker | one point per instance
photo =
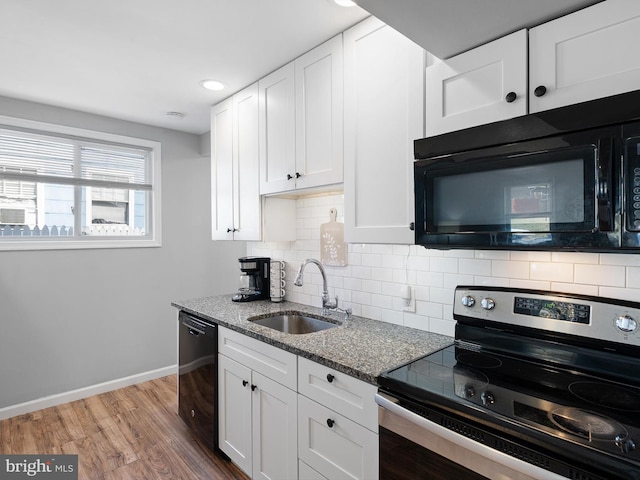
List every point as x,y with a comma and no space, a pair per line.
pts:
254,281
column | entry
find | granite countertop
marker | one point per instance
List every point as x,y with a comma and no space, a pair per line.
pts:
361,347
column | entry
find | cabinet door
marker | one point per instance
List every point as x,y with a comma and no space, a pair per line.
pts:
222,183
483,85
589,54
335,446
384,114
246,165
277,130
234,412
319,115
275,430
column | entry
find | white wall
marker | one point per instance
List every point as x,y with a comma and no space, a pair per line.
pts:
70,319
370,283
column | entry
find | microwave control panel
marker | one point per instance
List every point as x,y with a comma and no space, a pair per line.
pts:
633,184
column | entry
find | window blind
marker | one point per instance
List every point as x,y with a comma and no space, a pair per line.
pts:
38,158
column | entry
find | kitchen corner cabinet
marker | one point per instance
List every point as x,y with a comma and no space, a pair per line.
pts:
235,195
258,406
384,114
483,85
585,55
301,122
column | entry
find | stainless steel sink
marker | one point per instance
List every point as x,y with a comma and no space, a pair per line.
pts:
293,323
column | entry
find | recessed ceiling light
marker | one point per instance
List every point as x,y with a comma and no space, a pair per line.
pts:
212,85
345,3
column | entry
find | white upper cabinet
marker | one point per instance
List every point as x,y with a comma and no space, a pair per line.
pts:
277,130
384,114
301,121
588,54
483,85
319,115
222,191
235,196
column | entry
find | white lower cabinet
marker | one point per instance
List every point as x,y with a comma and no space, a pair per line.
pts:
257,415
337,423
305,472
285,417
335,446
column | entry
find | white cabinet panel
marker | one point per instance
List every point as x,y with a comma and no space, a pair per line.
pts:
247,203
305,472
275,430
235,187
384,114
301,127
277,130
483,85
273,362
335,446
234,425
589,54
340,392
319,118
222,191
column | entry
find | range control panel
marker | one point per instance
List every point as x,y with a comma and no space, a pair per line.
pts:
607,319
557,310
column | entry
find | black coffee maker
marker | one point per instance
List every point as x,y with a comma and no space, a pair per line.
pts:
254,281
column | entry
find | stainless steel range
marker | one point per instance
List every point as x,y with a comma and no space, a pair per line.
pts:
538,385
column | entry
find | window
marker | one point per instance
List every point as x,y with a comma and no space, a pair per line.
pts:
62,187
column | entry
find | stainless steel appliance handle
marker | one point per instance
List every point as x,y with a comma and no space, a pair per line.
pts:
389,403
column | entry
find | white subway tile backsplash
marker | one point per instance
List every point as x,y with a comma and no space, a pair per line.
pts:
471,266
517,255
606,275
560,272
370,283
575,257
510,269
633,277
574,288
445,265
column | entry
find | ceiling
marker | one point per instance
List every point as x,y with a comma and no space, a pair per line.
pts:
139,59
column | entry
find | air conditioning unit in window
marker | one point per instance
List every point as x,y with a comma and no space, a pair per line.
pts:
12,216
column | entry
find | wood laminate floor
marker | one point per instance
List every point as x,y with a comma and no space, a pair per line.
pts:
133,433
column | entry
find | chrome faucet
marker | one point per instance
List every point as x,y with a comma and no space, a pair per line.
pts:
326,303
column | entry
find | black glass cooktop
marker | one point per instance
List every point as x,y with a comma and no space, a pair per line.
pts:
535,397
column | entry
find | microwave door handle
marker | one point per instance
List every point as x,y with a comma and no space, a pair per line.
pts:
604,205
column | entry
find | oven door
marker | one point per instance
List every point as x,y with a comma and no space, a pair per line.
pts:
556,192
413,447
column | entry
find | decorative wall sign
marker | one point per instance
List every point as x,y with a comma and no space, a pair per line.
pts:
333,250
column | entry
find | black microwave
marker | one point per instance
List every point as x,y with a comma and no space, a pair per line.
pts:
564,179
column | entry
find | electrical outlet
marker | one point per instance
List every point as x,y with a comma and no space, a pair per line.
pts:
408,299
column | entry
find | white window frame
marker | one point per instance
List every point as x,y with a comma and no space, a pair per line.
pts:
154,236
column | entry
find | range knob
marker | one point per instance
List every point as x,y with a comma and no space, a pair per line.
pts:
488,303
626,324
625,444
468,301
487,398
469,391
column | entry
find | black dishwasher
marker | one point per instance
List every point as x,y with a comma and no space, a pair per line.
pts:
198,377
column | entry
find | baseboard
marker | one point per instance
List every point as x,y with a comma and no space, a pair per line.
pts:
59,398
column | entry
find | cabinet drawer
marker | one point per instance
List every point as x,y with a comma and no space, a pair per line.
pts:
333,445
346,395
270,361
305,472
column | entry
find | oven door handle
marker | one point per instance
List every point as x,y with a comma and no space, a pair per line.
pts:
391,404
